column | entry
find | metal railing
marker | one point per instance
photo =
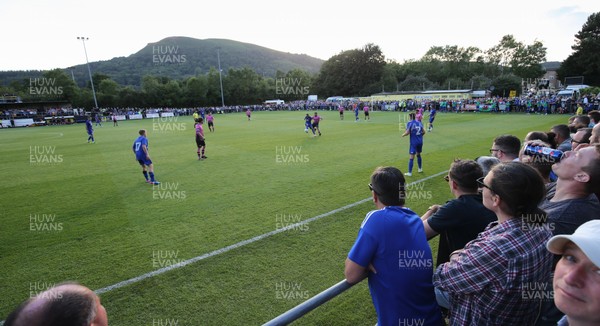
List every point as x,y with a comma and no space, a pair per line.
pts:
310,304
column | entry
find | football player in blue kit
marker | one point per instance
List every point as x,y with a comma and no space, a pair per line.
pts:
140,148
416,131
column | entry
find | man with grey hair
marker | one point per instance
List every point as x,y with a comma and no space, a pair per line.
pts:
67,304
486,163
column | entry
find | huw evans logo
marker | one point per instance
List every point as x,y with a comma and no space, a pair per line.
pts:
44,222
414,259
163,54
168,190
290,221
164,258
44,155
411,322
165,322
167,124
417,191
290,86
290,155
290,291
40,289
537,291
44,87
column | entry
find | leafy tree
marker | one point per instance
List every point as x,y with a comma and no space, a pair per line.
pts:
264,88
108,87
128,97
150,90
83,99
502,53
170,94
480,82
64,81
513,56
240,85
454,83
294,85
194,91
527,60
213,89
503,84
50,86
585,60
388,78
97,78
416,83
351,72
451,54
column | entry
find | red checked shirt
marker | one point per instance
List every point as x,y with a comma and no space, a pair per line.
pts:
500,278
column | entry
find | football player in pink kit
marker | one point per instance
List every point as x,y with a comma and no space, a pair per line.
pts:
366,111
200,142
419,115
248,114
315,123
210,119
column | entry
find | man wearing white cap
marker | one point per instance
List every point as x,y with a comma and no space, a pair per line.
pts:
577,275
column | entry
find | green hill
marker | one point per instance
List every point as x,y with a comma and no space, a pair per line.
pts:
180,57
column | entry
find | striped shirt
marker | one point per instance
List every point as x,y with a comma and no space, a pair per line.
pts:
500,278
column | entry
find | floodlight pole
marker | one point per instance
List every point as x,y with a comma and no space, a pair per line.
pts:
83,39
220,79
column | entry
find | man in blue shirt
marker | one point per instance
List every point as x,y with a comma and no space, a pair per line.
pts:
308,124
140,148
392,251
416,131
90,130
431,118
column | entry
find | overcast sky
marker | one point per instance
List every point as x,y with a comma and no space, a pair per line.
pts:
42,34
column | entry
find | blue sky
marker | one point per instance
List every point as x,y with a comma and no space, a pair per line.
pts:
42,34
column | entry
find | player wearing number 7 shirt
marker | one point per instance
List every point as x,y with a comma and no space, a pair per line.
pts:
140,148
416,131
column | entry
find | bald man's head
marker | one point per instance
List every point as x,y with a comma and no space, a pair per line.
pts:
66,304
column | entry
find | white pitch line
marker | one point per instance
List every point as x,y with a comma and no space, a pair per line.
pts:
240,244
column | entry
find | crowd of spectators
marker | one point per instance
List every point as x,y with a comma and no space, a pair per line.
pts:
519,232
530,104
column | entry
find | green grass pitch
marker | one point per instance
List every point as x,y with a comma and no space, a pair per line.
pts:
82,212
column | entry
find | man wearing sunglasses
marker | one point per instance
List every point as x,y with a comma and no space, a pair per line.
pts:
392,251
506,148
